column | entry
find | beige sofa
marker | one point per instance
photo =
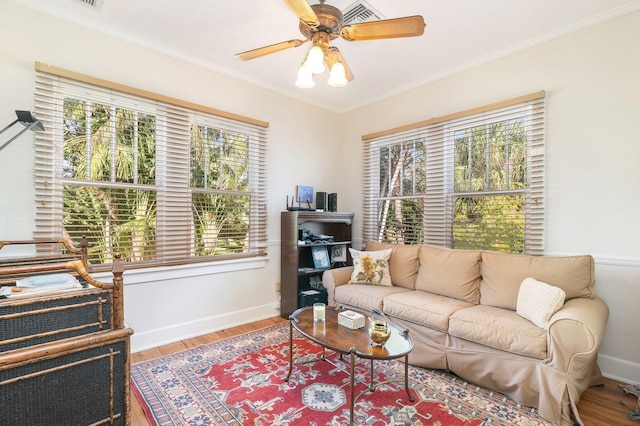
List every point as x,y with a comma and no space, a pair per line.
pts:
460,308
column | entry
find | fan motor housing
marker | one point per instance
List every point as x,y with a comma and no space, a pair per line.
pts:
330,18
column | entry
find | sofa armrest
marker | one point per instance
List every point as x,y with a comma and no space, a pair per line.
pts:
334,278
575,334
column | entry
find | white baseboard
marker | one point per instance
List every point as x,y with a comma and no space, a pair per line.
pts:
619,369
163,336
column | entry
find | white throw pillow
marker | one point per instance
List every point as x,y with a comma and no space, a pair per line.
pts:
538,301
371,267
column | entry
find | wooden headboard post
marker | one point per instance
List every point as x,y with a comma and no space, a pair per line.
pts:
118,293
84,249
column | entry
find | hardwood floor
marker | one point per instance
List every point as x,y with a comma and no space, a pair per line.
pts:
599,405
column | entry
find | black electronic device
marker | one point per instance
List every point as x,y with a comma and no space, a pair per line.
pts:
321,200
300,209
310,296
332,203
292,208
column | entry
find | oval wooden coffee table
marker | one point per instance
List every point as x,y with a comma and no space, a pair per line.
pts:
355,343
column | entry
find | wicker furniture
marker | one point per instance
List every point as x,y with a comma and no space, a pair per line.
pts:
64,355
354,343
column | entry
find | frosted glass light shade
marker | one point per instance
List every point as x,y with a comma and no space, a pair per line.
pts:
338,77
305,78
315,60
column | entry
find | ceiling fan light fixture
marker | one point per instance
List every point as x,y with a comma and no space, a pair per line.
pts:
338,77
315,60
321,23
305,78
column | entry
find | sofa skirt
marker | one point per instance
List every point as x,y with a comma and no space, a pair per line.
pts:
526,380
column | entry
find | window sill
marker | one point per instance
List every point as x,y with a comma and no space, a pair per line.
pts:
147,275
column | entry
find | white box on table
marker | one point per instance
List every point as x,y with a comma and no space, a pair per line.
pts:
351,319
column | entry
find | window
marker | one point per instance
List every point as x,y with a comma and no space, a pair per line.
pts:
402,179
489,182
472,180
220,189
109,190
158,182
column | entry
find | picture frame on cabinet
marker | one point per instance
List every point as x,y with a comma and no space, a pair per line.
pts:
339,253
320,256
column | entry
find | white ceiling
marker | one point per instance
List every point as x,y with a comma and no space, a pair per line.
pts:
459,34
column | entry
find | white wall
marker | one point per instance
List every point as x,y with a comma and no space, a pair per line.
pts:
162,306
593,105
592,155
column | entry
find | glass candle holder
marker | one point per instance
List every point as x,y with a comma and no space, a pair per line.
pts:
318,311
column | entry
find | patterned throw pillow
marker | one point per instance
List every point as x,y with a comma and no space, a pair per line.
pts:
538,301
371,267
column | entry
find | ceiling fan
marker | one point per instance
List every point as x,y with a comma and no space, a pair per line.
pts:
322,23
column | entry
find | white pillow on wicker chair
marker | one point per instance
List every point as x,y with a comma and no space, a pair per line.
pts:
371,267
538,301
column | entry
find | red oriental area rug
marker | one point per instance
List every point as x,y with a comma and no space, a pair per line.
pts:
240,381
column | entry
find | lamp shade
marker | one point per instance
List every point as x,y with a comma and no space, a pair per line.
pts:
305,78
338,77
315,60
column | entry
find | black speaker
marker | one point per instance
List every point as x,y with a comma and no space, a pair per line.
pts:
332,204
321,200
310,299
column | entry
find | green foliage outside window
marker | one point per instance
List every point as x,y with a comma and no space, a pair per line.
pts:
110,191
488,166
104,146
403,221
114,220
220,185
402,182
490,159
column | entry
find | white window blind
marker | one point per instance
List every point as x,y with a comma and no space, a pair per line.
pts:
158,181
470,180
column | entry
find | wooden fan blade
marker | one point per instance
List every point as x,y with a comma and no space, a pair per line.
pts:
302,9
333,55
261,51
409,26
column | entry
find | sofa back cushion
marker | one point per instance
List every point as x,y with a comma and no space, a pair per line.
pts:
449,272
403,264
502,274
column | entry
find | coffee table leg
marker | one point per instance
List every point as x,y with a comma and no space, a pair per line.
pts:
353,372
406,377
290,351
371,387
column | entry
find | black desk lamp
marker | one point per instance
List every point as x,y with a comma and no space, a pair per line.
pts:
30,123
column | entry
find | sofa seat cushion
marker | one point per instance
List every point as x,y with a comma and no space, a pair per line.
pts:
365,296
423,308
449,272
502,274
403,263
499,328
